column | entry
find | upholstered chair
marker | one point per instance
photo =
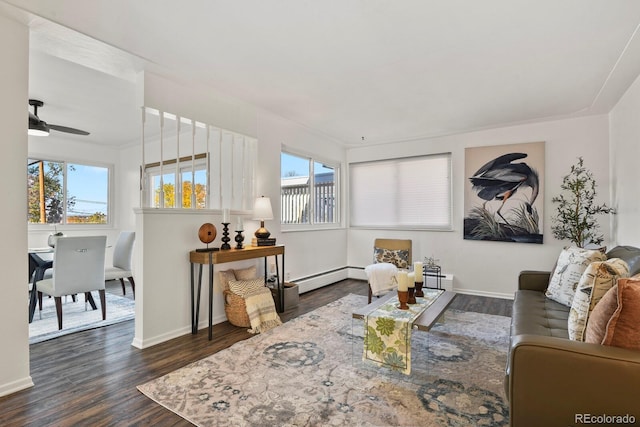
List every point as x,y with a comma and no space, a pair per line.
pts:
78,267
121,267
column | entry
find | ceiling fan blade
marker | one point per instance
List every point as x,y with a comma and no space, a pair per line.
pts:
68,130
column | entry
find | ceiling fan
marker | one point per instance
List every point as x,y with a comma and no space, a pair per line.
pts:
41,128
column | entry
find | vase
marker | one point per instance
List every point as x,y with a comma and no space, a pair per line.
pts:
53,238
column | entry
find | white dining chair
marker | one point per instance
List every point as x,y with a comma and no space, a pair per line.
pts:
78,267
121,267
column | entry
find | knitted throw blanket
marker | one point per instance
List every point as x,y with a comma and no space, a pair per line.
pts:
262,311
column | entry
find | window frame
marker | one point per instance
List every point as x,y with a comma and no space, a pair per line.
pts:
152,170
312,225
399,160
111,208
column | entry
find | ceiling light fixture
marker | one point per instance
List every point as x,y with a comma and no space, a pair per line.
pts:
38,129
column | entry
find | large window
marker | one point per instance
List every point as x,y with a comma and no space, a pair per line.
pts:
413,192
308,190
67,193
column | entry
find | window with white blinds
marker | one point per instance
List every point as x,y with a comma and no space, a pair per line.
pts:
412,192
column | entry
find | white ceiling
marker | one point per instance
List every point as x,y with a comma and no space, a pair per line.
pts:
377,69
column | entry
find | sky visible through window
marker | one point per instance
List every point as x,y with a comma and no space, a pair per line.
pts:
89,184
298,166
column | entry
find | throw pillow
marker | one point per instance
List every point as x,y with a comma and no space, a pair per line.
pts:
599,317
622,329
572,262
399,258
597,279
225,276
245,288
248,273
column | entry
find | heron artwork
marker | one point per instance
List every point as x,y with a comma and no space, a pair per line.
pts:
500,178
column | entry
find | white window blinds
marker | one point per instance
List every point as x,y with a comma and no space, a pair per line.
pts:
413,192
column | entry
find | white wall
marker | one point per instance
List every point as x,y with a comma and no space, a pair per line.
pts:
491,268
14,333
311,252
625,153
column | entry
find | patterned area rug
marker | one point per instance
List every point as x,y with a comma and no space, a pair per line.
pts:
75,318
309,372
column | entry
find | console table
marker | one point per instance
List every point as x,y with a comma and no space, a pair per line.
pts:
198,259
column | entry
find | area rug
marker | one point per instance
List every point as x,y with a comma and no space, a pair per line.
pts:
75,318
309,372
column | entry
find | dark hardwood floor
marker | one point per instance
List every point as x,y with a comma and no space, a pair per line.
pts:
89,378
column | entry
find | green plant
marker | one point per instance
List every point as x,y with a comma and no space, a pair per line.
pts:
575,218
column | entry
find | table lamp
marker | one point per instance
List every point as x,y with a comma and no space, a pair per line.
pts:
262,211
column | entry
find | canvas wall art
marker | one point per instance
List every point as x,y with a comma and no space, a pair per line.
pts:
504,193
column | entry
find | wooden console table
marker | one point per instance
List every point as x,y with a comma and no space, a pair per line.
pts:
198,259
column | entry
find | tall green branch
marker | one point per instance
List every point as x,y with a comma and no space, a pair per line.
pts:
575,218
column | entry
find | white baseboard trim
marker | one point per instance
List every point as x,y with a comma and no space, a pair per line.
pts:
203,327
447,284
15,386
320,280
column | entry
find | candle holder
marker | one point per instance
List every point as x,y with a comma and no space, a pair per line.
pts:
419,292
403,296
239,239
412,296
225,236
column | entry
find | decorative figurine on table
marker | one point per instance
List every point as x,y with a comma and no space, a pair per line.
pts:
207,234
225,230
239,237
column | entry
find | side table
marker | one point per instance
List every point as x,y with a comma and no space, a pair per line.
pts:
199,259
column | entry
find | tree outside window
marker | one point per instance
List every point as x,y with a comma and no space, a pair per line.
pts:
64,193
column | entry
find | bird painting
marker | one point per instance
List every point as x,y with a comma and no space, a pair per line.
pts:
500,179
497,181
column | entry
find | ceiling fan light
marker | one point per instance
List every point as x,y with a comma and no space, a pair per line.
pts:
38,130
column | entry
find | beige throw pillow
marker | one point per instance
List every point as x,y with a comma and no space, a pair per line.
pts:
597,279
572,262
225,276
248,273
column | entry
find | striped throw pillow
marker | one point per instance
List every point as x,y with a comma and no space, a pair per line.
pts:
245,288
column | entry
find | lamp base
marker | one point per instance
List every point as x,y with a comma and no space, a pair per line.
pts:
262,233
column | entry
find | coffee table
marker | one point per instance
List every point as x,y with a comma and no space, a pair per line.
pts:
426,320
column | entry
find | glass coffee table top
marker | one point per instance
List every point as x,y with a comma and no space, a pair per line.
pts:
425,321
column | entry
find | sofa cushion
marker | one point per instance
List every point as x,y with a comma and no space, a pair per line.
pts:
599,317
630,254
572,262
597,279
535,314
623,328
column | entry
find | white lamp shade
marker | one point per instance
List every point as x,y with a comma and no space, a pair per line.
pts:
262,209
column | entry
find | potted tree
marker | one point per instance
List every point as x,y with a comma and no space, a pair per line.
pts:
575,218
